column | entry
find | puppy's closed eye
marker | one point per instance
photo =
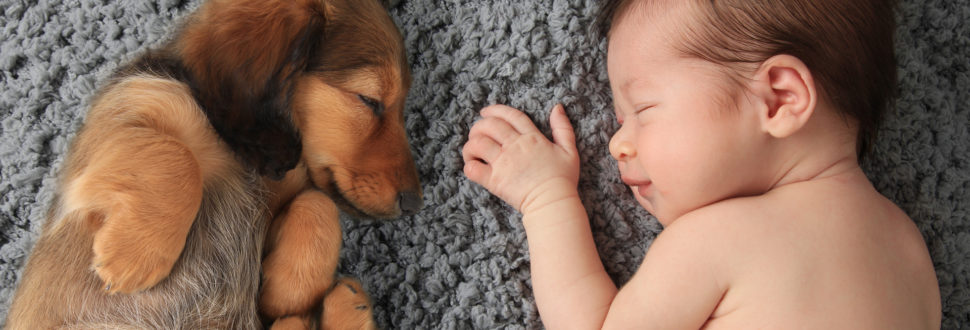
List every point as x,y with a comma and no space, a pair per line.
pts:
373,104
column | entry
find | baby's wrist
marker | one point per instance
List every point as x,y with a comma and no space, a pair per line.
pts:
553,214
548,194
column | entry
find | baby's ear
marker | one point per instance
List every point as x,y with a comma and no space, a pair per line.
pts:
788,91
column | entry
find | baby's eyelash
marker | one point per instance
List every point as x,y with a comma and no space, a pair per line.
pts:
645,108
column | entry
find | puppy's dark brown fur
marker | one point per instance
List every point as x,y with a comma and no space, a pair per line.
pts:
222,156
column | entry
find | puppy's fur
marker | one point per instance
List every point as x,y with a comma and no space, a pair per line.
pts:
222,156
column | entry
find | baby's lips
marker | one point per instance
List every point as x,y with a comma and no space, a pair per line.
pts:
635,182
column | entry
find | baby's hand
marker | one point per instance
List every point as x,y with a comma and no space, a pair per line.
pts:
510,157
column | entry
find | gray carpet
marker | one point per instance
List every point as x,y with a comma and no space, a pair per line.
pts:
462,262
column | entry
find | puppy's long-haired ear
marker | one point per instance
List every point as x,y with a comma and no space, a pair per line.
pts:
243,57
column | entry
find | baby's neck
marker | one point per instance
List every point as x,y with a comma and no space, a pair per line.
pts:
824,148
843,169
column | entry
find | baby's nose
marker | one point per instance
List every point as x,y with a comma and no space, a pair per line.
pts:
621,149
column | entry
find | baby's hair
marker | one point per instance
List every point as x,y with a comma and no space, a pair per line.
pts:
847,44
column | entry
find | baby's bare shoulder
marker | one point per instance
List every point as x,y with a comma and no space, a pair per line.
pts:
791,220
770,248
714,233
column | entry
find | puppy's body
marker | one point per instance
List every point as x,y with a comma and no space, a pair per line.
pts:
216,280
169,195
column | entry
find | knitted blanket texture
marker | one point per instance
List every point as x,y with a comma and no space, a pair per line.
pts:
463,262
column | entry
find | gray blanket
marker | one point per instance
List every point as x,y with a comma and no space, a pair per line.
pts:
463,262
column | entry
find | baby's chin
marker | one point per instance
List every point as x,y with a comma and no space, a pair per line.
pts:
645,203
652,208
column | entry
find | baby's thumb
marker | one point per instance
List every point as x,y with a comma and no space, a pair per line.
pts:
562,130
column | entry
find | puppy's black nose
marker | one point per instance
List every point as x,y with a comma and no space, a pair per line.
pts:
410,202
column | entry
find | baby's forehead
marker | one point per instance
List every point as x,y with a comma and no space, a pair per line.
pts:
654,9
671,19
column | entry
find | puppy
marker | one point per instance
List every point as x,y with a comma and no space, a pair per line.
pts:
222,156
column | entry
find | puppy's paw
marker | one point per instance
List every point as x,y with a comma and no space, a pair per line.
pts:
291,323
143,189
347,306
130,260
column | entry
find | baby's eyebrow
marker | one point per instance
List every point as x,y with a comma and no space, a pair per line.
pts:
626,85
639,81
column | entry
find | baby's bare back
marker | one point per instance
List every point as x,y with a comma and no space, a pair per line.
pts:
822,254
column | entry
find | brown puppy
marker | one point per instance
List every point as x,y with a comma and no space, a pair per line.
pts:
253,126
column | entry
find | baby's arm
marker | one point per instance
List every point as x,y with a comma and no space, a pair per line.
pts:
508,155
682,279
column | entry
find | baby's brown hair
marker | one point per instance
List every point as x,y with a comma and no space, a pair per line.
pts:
847,44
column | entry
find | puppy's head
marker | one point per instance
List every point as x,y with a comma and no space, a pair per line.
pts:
321,82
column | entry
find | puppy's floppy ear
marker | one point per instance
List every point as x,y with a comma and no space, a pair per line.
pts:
243,57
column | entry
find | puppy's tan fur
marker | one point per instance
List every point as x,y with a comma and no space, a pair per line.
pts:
224,155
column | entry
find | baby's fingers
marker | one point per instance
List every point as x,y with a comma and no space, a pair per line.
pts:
481,148
517,119
477,171
478,153
493,128
562,130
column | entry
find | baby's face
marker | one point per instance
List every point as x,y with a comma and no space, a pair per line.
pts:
684,142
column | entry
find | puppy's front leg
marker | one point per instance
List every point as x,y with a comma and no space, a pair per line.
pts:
304,247
144,189
347,306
